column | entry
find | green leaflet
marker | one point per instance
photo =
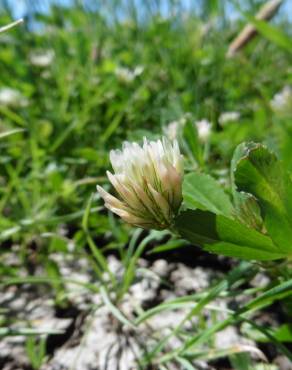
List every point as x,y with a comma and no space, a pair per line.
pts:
260,173
191,142
242,252
246,207
199,227
203,192
222,235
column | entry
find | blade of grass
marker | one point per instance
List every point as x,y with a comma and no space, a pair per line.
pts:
46,280
5,331
24,224
101,260
244,269
11,25
282,290
10,132
129,273
114,310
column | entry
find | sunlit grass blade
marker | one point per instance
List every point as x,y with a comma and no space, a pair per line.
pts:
11,25
130,269
46,280
241,270
114,310
98,255
10,132
27,332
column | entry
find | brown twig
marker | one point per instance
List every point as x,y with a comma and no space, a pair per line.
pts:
266,12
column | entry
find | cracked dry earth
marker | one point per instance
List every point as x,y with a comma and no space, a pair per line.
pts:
87,335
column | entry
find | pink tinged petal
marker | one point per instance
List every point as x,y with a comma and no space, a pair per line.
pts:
161,202
177,158
150,175
135,171
117,182
131,198
117,161
113,179
146,201
168,151
118,211
127,194
108,198
175,179
166,184
177,194
171,182
128,216
179,164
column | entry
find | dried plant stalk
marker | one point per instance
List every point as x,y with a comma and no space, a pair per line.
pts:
249,32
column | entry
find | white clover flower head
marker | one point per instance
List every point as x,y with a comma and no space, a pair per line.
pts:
138,70
124,74
128,75
227,117
12,98
282,99
171,130
42,59
148,180
204,129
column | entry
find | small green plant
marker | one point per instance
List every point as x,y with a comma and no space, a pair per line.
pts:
36,351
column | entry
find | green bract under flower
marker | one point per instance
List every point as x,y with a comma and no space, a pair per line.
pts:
148,180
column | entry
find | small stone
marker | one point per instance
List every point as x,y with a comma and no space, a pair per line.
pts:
260,280
160,267
188,280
